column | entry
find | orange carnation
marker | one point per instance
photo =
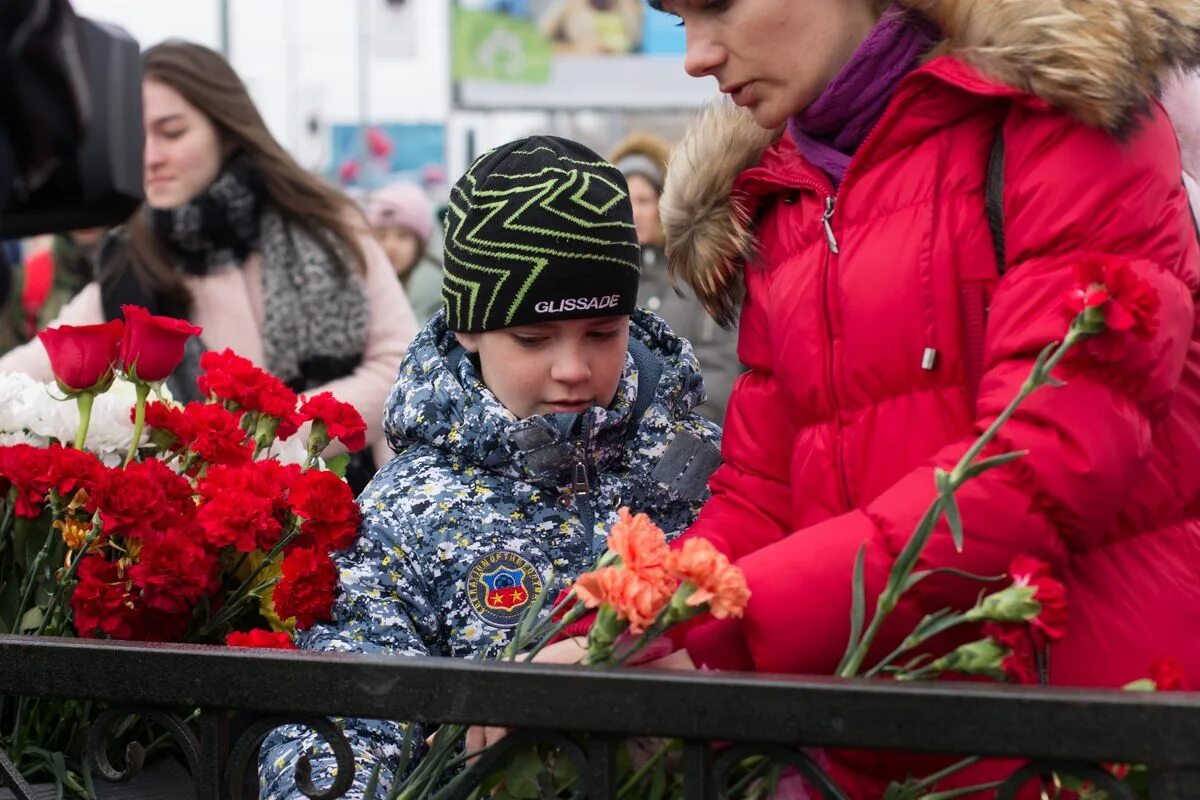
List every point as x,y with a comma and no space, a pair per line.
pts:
633,598
638,541
718,583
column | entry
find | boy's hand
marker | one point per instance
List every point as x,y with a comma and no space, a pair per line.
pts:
568,651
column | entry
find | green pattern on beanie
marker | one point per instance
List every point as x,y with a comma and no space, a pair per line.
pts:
537,230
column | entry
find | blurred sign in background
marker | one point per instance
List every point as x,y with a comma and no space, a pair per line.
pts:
368,91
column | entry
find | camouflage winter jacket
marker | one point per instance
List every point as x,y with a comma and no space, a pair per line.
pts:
478,510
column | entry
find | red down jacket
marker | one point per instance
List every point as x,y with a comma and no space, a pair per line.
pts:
833,434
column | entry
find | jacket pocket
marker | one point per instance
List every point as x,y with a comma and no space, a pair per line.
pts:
974,300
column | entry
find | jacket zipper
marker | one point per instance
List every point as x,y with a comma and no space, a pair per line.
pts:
839,464
581,493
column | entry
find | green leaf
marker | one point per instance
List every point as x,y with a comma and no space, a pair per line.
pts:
566,774
338,464
953,519
858,605
31,620
980,467
658,782
521,777
921,575
521,637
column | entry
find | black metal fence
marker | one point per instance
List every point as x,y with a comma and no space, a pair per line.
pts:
1068,731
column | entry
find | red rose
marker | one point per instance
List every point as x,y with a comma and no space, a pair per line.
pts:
101,601
174,572
306,589
1020,665
1167,674
26,467
216,434
341,420
170,425
1051,622
152,346
264,640
82,357
326,504
1110,289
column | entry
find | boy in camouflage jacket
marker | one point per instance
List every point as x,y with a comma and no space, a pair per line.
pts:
527,412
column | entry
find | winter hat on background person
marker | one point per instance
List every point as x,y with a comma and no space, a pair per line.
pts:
643,153
402,205
538,230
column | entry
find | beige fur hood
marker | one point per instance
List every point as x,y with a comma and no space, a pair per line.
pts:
1096,59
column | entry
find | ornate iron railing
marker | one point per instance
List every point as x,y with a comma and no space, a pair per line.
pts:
1068,731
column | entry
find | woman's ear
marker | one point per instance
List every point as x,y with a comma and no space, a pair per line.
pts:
469,341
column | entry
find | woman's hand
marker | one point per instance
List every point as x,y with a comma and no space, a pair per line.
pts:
568,651
679,660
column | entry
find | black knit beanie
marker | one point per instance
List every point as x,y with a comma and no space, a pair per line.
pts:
539,229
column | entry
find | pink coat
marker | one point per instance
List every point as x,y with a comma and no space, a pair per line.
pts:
228,305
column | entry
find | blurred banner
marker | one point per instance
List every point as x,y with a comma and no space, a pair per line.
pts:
564,54
387,152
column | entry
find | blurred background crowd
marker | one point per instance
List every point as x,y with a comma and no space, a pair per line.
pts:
388,100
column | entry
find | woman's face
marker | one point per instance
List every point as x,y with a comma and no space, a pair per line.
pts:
183,152
774,57
644,197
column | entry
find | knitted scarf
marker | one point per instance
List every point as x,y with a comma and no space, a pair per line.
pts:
832,127
314,304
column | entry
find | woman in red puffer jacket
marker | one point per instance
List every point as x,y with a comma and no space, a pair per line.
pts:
842,207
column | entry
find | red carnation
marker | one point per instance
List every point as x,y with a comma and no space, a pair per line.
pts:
1168,676
1020,665
306,589
240,518
1111,295
82,357
326,504
152,346
1051,622
174,572
341,420
237,380
216,434
264,640
101,601
169,422
142,498
26,467
68,470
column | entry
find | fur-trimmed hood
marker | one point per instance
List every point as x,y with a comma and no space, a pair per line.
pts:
1099,60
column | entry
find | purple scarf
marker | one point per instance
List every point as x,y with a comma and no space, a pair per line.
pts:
833,126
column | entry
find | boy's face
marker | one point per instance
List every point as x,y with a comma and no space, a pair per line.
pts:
553,367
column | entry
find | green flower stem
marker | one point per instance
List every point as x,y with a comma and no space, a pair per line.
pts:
636,778
83,401
907,559
965,791
915,639
69,576
225,615
139,420
29,585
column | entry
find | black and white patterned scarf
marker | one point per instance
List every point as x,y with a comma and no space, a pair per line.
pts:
314,303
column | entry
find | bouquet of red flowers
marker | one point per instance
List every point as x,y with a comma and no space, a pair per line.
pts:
201,533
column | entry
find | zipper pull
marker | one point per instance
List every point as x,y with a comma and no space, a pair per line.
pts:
580,485
830,202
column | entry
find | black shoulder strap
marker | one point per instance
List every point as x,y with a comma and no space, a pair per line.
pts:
994,197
